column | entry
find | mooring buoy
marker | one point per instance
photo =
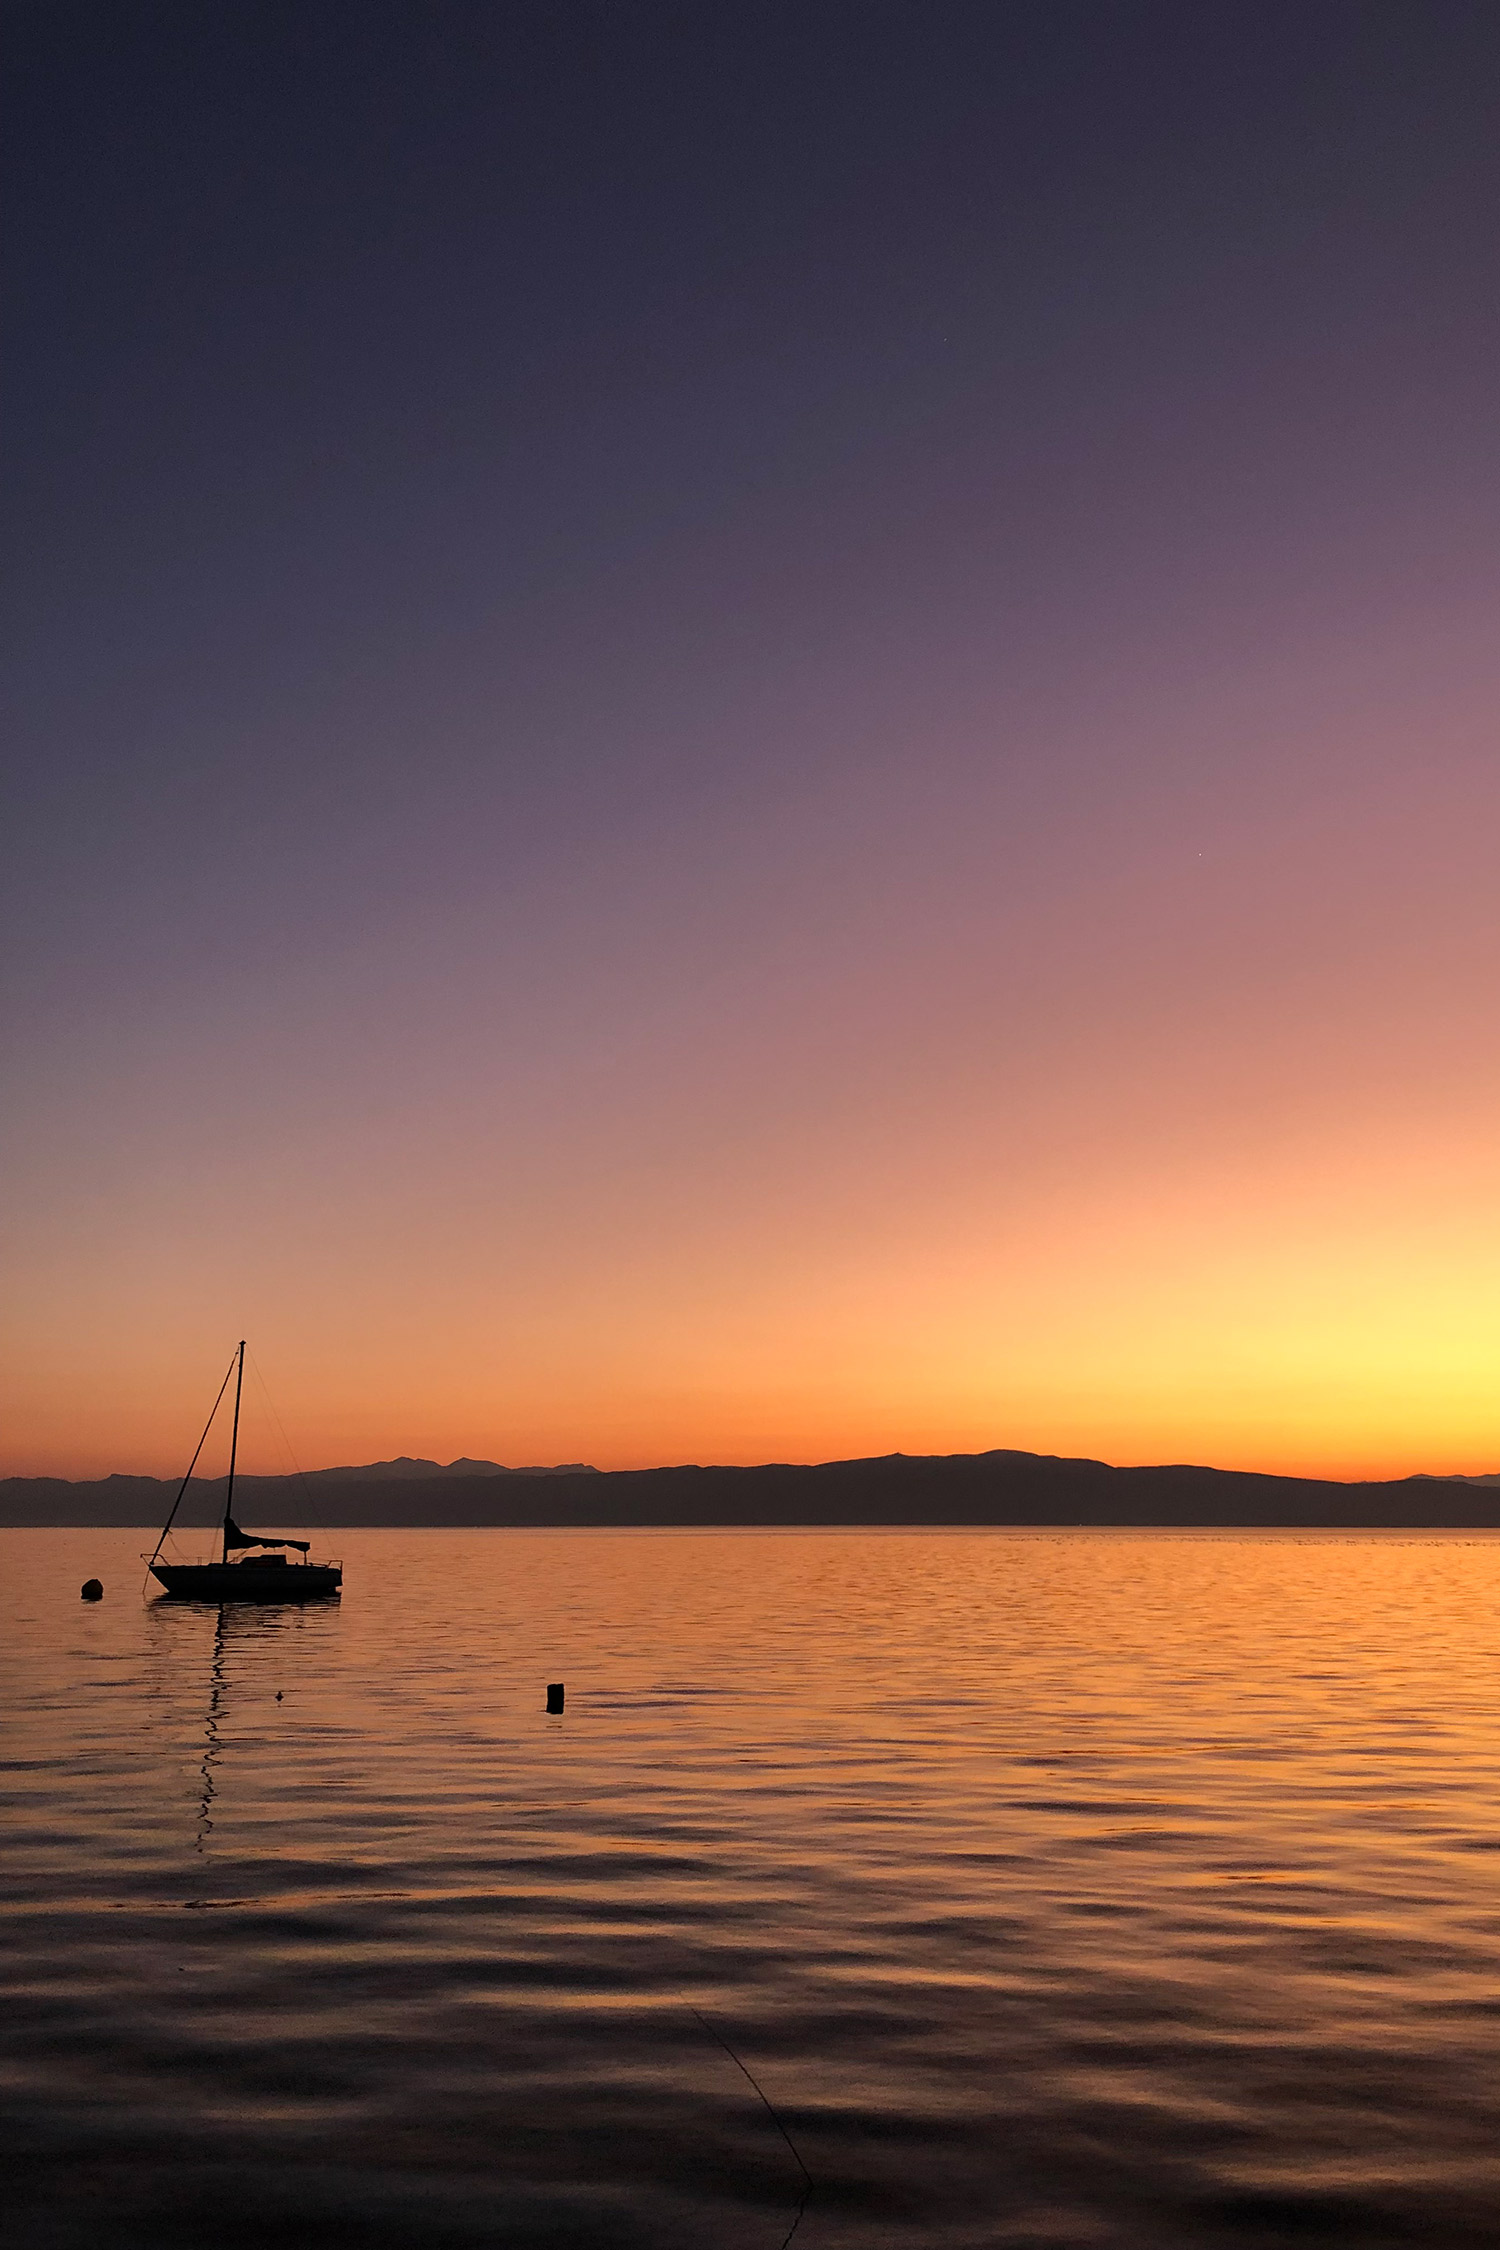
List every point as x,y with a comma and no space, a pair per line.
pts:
93,1590
554,1695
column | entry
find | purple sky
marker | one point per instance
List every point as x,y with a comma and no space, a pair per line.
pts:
754,733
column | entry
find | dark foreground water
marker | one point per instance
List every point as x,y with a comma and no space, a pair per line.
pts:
1057,1890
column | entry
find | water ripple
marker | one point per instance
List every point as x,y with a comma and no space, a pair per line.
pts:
1032,1889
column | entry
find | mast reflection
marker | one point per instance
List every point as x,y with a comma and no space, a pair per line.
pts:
248,1655
211,1744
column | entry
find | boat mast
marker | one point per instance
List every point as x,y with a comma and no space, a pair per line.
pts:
234,1441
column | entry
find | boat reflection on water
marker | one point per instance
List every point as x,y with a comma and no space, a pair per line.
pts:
211,1744
254,1651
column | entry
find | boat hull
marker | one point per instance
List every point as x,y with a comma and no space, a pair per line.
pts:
248,1581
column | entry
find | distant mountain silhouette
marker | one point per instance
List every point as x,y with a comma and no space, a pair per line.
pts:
406,1465
1000,1487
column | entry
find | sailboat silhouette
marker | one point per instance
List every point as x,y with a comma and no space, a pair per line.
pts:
257,1577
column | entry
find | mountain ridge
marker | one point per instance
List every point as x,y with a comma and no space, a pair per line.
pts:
1001,1486
413,1465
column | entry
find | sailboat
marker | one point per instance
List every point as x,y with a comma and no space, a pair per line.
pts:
257,1577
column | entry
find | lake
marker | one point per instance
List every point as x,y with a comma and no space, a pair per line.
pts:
1027,1889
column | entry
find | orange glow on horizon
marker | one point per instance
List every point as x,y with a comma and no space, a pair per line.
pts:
1169,1136
1317,1320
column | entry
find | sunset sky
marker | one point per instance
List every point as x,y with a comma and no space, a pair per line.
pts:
754,733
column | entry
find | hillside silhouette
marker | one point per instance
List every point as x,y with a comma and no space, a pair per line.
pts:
1000,1487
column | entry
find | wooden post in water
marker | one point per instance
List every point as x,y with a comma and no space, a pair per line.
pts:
554,1695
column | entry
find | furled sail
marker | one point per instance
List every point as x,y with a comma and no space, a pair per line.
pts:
234,1537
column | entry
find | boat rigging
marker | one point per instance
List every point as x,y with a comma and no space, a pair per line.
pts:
249,1577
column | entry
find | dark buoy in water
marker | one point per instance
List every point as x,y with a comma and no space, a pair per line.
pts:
554,1695
278,1695
93,1590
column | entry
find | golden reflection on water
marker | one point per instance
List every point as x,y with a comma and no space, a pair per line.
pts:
1056,1887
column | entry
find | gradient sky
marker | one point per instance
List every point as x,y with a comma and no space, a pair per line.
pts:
754,733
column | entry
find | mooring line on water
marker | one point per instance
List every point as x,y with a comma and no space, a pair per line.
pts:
770,2109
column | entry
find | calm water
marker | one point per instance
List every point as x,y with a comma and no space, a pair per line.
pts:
1057,1890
